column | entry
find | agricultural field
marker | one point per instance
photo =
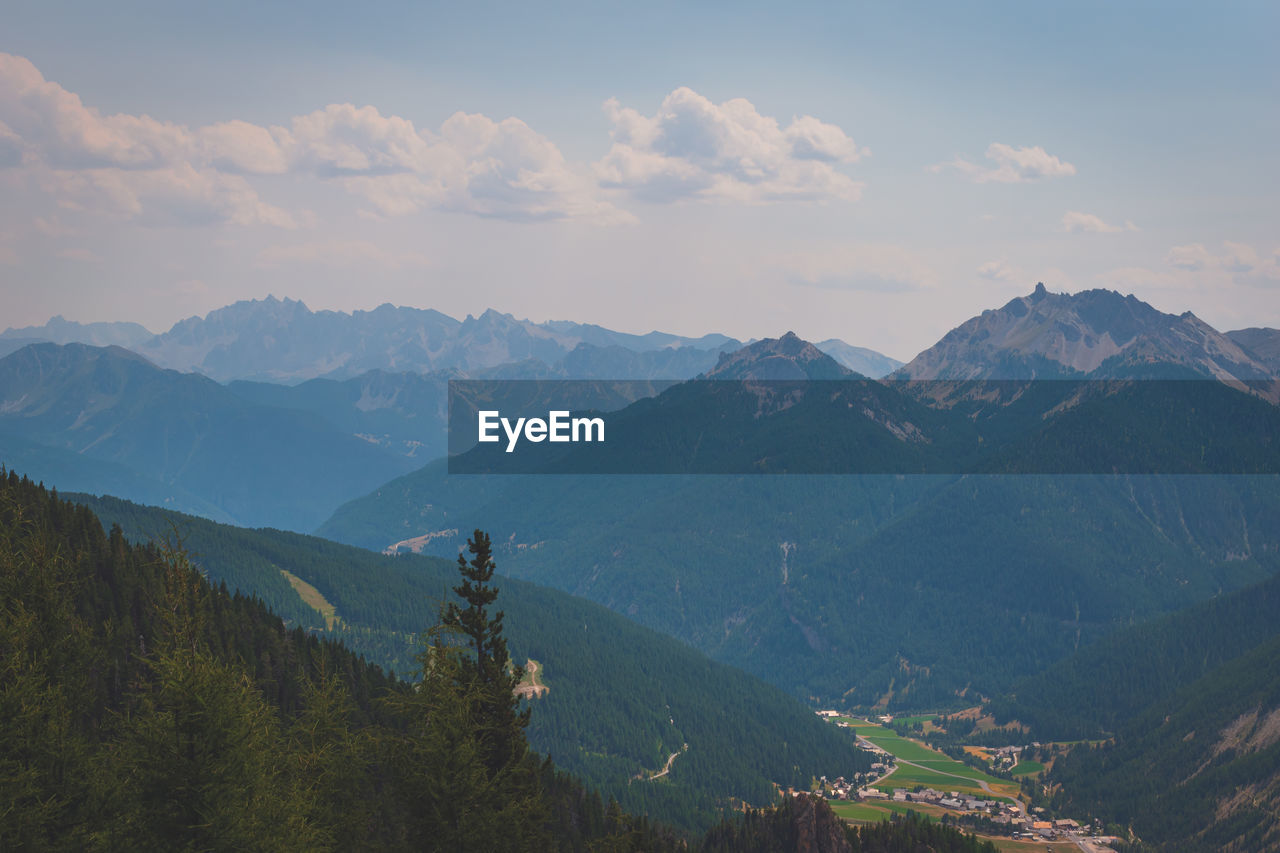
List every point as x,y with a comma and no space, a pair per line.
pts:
901,747
926,721
879,810
1026,768
930,768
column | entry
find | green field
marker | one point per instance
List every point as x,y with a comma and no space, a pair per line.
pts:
908,776
1026,768
956,768
856,723
935,771
858,811
900,746
879,810
910,721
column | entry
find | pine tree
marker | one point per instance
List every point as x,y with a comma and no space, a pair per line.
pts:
493,678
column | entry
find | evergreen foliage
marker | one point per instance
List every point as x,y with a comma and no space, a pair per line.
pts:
142,708
622,698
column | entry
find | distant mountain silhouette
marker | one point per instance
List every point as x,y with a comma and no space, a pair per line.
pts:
1094,333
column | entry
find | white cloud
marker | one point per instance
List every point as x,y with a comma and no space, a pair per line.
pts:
1195,269
132,166
1012,165
1193,256
997,270
181,194
10,147
694,148
499,169
164,173
1075,222
240,147
1240,262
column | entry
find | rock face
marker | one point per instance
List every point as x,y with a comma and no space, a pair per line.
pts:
284,341
868,362
1097,333
1261,343
816,828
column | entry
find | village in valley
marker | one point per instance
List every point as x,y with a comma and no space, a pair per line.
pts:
981,794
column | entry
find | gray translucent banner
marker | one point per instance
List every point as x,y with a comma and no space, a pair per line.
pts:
863,426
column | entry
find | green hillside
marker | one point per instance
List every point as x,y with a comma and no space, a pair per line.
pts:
142,708
825,585
244,461
1099,689
1199,770
622,698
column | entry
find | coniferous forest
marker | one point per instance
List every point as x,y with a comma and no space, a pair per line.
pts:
144,708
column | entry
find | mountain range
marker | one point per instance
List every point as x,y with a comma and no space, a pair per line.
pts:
882,591
182,432
283,341
1095,333
61,331
872,589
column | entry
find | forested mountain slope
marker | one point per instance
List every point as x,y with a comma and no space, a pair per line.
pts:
1198,770
142,708
1099,689
870,588
622,698
276,466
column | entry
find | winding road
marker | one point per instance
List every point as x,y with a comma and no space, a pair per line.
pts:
671,759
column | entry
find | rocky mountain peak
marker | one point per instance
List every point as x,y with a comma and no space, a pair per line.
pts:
1093,332
787,357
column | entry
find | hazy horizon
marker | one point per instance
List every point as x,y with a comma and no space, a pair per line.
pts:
872,174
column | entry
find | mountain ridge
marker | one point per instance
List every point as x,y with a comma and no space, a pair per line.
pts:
1093,333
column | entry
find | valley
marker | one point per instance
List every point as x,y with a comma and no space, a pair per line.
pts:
817,427
677,627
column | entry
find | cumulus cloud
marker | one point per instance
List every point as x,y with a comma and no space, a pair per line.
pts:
1011,165
133,166
160,172
1242,262
1075,222
10,147
1190,257
498,169
694,148
997,270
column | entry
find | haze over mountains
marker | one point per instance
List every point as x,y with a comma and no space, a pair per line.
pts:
62,331
258,465
877,591
1095,333
282,340
801,565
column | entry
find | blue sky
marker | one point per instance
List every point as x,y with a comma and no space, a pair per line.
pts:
876,173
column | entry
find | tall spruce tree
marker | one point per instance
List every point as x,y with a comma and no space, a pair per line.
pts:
466,768
493,677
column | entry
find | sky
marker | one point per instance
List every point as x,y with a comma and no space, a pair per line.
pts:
876,173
